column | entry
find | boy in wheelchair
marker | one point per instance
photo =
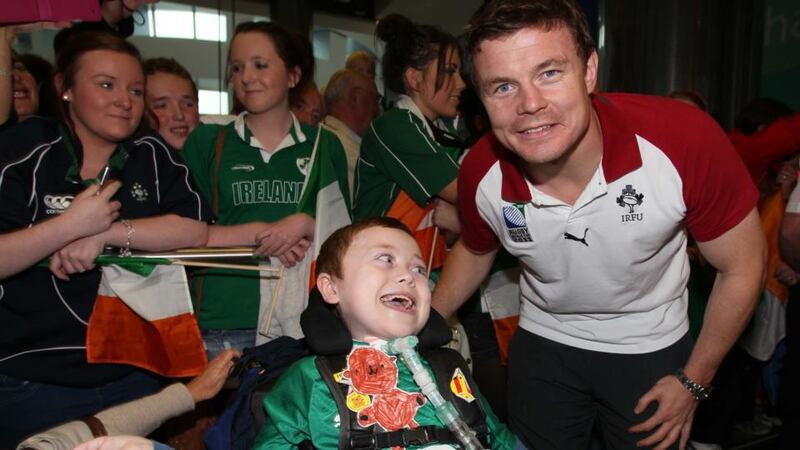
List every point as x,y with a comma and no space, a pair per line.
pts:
355,393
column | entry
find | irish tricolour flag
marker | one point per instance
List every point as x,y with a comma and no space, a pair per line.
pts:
500,298
145,320
323,195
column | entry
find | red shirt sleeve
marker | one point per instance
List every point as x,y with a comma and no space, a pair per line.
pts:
717,189
476,234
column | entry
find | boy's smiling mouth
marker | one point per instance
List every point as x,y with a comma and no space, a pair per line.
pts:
399,302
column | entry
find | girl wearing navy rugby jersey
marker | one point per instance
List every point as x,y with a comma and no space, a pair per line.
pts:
51,205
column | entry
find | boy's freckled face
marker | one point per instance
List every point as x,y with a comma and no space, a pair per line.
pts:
384,290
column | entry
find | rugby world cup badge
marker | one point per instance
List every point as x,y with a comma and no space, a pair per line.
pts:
514,217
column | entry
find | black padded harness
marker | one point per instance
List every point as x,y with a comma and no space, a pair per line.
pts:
330,340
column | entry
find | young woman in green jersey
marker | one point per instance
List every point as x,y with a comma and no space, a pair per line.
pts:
407,161
253,171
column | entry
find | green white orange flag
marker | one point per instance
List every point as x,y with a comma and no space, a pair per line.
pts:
420,221
145,320
500,298
324,195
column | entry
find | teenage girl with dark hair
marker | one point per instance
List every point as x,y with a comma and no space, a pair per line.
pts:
51,206
253,171
406,161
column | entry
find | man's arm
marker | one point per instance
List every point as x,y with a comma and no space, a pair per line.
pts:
450,192
463,272
739,255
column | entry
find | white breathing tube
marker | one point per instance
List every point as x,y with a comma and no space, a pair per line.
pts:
445,410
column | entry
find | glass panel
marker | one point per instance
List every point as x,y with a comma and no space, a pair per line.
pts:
174,24
213,102
210,26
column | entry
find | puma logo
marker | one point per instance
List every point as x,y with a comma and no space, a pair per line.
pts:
571,237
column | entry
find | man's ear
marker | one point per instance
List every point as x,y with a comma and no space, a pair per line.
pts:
327,287
590,77
412,78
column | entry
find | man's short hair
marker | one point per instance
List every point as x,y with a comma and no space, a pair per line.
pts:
334,248
502,18
341,82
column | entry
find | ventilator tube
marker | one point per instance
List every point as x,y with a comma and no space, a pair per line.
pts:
445,410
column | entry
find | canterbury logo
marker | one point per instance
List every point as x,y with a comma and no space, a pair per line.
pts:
56,204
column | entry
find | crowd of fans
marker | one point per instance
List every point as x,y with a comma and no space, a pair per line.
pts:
105,149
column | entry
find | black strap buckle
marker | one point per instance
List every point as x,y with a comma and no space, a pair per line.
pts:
361,440
416,436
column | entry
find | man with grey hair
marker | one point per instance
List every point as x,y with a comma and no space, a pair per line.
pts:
352,101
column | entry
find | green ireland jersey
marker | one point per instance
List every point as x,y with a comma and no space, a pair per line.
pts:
399,153
252,185
300,407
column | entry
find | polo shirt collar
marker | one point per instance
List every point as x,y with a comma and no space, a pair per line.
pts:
75,150
620,152
405,102
336,124
294,136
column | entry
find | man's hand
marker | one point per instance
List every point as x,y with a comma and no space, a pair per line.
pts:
673,418
785,274
279,237
445,216
77,256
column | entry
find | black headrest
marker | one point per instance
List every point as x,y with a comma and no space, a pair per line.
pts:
326,334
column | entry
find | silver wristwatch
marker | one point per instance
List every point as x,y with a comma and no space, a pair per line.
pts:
698,391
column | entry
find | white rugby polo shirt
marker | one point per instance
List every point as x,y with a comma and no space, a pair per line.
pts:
609,273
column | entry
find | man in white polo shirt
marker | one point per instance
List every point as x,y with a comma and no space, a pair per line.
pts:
594,194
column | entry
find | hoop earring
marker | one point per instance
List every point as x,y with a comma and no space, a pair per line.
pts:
140,20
